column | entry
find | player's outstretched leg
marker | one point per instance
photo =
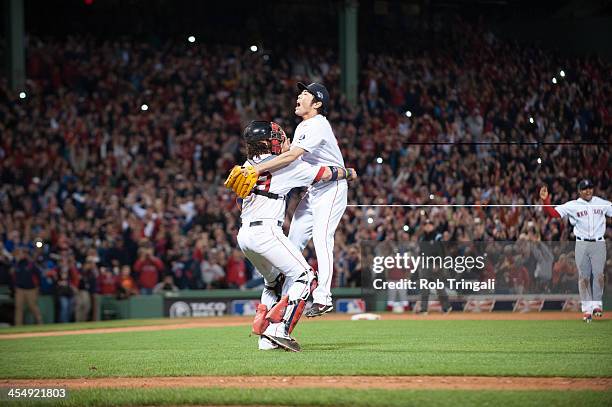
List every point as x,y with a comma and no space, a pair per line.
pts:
598,260
284,316
583,262
329,208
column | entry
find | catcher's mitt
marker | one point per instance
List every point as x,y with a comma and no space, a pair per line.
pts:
240,184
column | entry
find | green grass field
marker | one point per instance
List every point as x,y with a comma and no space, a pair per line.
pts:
424,347
121,323
330,397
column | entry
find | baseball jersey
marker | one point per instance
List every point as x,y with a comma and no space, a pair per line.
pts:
588,218
297,174
315,135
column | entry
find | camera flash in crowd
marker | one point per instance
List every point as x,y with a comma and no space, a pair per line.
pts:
531,120
408,113
144,107
370,220
22,95
554,80
562,73
406,228
539,160
431,196
253,48
39,244
379,160
191,38
422,212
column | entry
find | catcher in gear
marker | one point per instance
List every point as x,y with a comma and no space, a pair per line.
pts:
254,133
288,277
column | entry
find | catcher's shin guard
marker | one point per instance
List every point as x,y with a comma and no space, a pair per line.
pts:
298,294
291,306
260,323
295,313
277,312
270,295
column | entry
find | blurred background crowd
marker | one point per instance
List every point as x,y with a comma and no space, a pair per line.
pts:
111,168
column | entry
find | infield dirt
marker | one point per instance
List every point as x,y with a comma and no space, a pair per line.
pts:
344,382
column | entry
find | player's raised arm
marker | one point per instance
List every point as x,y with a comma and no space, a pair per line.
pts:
545,196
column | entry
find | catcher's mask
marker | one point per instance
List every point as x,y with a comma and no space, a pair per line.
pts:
260,130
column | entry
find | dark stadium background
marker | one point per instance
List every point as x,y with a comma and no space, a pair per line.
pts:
583,26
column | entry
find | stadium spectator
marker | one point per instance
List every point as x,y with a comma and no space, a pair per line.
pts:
127,285
235,270
5,266
544,264
212,269
108,283
166,285
148,268
27,276
86,289
564,274
65,292
518,275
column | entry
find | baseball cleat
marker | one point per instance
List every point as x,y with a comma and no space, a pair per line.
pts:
288,344
597,312
587,317
317,310
266,344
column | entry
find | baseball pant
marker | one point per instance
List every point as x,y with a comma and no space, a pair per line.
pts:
25,296
317,216
83,306
271,253
590,260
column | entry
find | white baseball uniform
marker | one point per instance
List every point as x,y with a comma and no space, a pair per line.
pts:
589,221
319,212
261,236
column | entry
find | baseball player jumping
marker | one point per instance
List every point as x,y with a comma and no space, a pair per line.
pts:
588,216
261,236
320,210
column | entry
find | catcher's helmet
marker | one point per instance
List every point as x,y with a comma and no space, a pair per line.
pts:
260,130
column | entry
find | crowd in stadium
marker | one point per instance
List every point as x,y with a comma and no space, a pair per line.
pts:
111,167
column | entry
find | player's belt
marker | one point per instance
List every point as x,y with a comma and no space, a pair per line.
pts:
589,240
279,223
270,195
